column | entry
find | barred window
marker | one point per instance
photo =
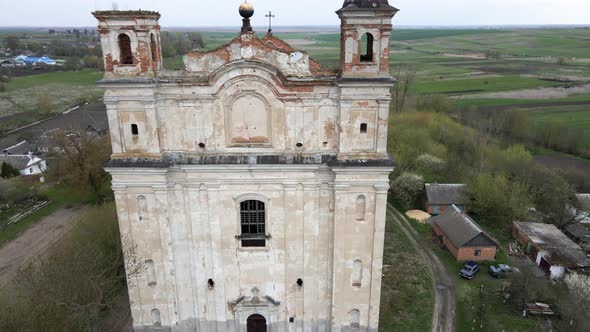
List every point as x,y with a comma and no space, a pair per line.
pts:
253,223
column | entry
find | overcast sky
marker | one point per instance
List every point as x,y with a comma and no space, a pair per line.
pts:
196,13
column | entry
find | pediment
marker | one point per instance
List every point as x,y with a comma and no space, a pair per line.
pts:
270,50
254,301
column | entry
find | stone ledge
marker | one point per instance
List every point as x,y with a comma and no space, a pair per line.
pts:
169,160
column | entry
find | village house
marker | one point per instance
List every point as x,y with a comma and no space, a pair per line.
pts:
253,183
463,237
21,148
580,234
552,251
25,164
440,197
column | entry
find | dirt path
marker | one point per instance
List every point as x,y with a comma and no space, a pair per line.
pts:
35,241
443,318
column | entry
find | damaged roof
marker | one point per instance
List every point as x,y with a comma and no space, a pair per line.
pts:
445,194
560,249
268,49
461,230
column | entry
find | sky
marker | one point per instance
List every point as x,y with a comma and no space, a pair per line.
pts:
195,13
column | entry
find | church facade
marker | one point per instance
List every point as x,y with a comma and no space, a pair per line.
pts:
252,186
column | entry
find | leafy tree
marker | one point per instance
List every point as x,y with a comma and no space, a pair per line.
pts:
8,171
498,200
406,189
551,193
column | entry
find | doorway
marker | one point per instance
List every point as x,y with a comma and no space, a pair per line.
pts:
256,323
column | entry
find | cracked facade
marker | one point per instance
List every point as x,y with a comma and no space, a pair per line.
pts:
253,184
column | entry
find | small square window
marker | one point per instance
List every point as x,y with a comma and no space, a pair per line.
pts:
364,128
477,253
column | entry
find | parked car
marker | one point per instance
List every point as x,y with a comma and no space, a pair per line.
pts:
539,309
500,271
469,270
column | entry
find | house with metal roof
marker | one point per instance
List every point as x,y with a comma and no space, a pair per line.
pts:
21,148
463,237
31,60
25,164
550,248
440,197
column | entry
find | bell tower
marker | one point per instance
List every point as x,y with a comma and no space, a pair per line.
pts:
365,38
130,42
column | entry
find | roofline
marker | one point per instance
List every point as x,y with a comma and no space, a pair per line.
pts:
126,13
467,217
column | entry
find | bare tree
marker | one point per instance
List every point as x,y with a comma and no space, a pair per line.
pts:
80,161
405,75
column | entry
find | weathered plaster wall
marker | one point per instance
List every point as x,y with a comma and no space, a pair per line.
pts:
244,110
188,230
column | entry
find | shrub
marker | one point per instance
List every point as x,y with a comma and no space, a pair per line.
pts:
8,171
406,189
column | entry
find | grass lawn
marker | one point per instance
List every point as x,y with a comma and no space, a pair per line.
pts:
59,198
406,293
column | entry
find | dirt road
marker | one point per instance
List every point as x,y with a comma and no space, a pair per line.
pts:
443,318
35,241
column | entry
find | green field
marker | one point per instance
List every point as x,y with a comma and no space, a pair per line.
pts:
41,95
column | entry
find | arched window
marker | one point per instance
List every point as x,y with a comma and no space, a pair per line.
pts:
357,273
361,207
367,47
134,130
156,320
253,223
126,56
142,208
153,48
355,318
151,273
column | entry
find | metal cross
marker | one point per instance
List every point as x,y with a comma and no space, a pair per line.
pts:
270,17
